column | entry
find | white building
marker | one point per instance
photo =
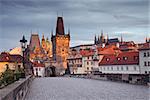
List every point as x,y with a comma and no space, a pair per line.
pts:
144,58
122,63
75,64
39,69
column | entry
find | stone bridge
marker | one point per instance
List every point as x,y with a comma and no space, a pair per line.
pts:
69,88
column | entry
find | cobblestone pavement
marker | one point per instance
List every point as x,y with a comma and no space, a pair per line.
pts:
63,88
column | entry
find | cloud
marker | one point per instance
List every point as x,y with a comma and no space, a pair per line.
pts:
85,19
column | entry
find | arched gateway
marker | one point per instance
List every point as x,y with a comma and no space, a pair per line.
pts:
50,71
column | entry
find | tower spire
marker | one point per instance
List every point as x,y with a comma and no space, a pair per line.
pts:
68,30
101,32
95,40
60,26
121,39
43,36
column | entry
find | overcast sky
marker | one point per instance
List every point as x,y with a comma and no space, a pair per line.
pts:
85,18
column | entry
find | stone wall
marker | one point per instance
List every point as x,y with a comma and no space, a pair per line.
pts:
140,79
16,90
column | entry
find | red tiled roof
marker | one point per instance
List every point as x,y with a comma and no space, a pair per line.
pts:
124,58
6,57
87,52
36,64
111,49
145,46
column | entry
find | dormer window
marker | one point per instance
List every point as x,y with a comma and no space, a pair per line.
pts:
7,58
135,57
125,58
118,58
107,59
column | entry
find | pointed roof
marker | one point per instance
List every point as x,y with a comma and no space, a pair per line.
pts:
60,26
34,41
43,39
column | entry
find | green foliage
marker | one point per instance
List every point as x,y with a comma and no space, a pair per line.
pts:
10,76
7,77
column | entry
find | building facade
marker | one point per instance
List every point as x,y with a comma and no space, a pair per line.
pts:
123,63
144,58
10,60
39,69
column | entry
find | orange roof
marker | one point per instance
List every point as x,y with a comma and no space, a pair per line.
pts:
145,46
6,57
124,58
87,52
110,49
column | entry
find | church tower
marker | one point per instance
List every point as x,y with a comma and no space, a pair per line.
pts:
60,42
43,42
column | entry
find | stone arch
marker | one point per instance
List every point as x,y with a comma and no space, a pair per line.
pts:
50,71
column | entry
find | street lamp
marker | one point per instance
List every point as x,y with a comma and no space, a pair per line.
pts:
23,46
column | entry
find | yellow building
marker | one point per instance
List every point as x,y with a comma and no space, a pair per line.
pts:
11,61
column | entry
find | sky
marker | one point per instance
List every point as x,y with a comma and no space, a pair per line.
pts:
84,18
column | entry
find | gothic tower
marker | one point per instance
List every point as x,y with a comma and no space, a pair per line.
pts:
60,42
43,42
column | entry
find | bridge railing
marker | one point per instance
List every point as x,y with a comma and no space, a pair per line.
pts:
16,90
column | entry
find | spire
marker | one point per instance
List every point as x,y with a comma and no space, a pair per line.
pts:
107,38
121,39
60,26
47,39
101,33
51,33
95,40
146,40
43,39
68,30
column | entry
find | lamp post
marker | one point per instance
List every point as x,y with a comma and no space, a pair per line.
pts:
23,46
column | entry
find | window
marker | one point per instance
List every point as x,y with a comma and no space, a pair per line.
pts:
118,58
149,63
87,68
144,54
145,63
126,67
91,63
111,68
107,68
104,68
135,58
39,69
134,67
117,68
87,63
107,59
125,58
121,68
19,66
148,54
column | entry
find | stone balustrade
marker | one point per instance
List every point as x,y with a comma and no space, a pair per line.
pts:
16,90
